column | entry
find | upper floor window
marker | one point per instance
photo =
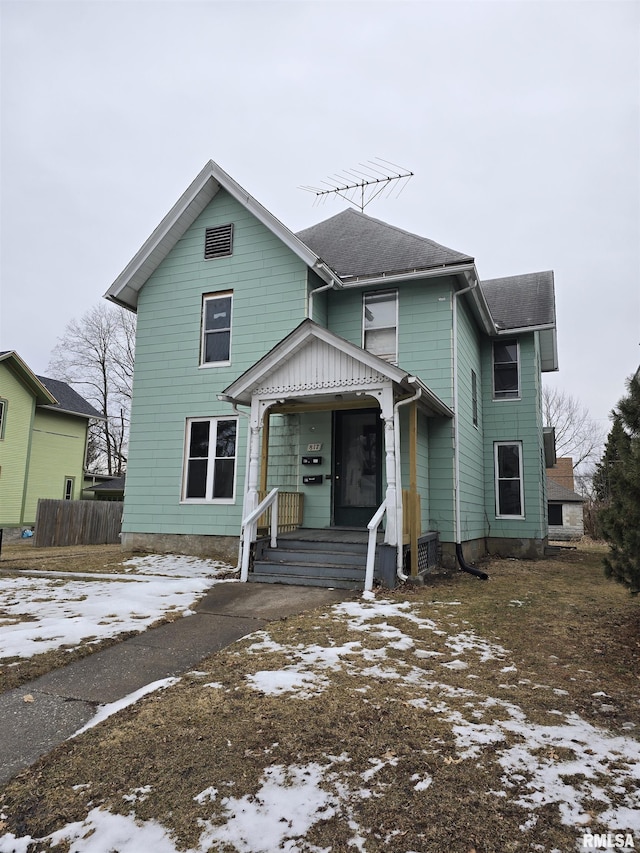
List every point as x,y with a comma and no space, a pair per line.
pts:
218,242
508,473
506,369
474,397
380,324
216,328
3,417
210,459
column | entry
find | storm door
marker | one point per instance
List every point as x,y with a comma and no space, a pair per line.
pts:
357,469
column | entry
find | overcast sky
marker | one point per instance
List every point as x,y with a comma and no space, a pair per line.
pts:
520,121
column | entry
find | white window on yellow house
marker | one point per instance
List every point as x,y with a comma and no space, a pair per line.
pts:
69,483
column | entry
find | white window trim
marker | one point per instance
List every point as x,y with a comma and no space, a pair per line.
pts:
475,402
504,398
497,479
393,293
3,416
68,480
210,463
205,297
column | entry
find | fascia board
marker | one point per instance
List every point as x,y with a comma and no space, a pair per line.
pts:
60,411
184,212
29,378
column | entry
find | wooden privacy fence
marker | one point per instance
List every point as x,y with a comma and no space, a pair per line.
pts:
78,523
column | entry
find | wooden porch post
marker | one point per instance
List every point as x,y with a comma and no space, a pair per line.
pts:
386,411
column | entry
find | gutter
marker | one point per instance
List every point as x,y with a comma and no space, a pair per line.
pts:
465,567
334,284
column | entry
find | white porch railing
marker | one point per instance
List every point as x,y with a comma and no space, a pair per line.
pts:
373,526
249,529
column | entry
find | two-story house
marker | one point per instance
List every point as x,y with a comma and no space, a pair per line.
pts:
43,441
353,366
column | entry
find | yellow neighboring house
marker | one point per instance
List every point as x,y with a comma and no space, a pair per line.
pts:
43,441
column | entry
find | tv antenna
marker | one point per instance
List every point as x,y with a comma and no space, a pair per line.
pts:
361,186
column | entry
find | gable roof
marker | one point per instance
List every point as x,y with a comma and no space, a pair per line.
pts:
521,301
358,246
353,248
42,394
305,336
526,303
210,180
556,492
68,400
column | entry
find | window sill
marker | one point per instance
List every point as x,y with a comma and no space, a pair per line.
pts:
207,501
511,517
207,364
507,399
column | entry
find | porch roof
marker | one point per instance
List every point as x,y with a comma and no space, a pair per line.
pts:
314,362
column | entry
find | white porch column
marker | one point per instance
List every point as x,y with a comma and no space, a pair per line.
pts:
386,407
257,411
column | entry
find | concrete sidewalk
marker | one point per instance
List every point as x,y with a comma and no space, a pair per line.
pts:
65,699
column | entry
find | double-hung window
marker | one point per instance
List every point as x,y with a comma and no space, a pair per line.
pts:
506,369
380,324
508,472
210,459
216,328
3,417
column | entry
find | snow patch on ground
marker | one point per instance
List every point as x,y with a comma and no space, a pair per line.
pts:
44,613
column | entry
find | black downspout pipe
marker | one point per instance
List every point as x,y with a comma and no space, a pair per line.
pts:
466,567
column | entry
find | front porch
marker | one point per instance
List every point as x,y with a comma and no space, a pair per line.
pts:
325,434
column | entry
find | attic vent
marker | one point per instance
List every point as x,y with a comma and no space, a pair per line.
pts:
218,242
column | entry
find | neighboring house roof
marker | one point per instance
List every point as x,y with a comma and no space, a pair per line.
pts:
116,484
356,245
50,393
42,394
558,493
68,400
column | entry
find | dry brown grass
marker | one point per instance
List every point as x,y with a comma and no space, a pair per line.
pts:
568,632
96,559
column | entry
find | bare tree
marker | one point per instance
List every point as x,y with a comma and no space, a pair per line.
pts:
577,434
96,355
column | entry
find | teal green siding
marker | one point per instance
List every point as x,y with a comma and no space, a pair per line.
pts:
269,286
516,420
471,463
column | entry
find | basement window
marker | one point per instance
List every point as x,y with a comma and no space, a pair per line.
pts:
218,242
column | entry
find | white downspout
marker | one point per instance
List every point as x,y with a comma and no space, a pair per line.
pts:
456,427
334,284
396,428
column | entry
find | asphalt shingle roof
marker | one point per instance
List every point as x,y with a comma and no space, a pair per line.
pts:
556,492
356,245
68,399
519,301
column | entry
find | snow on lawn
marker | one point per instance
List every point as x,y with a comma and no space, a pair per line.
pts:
590,776
39,613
